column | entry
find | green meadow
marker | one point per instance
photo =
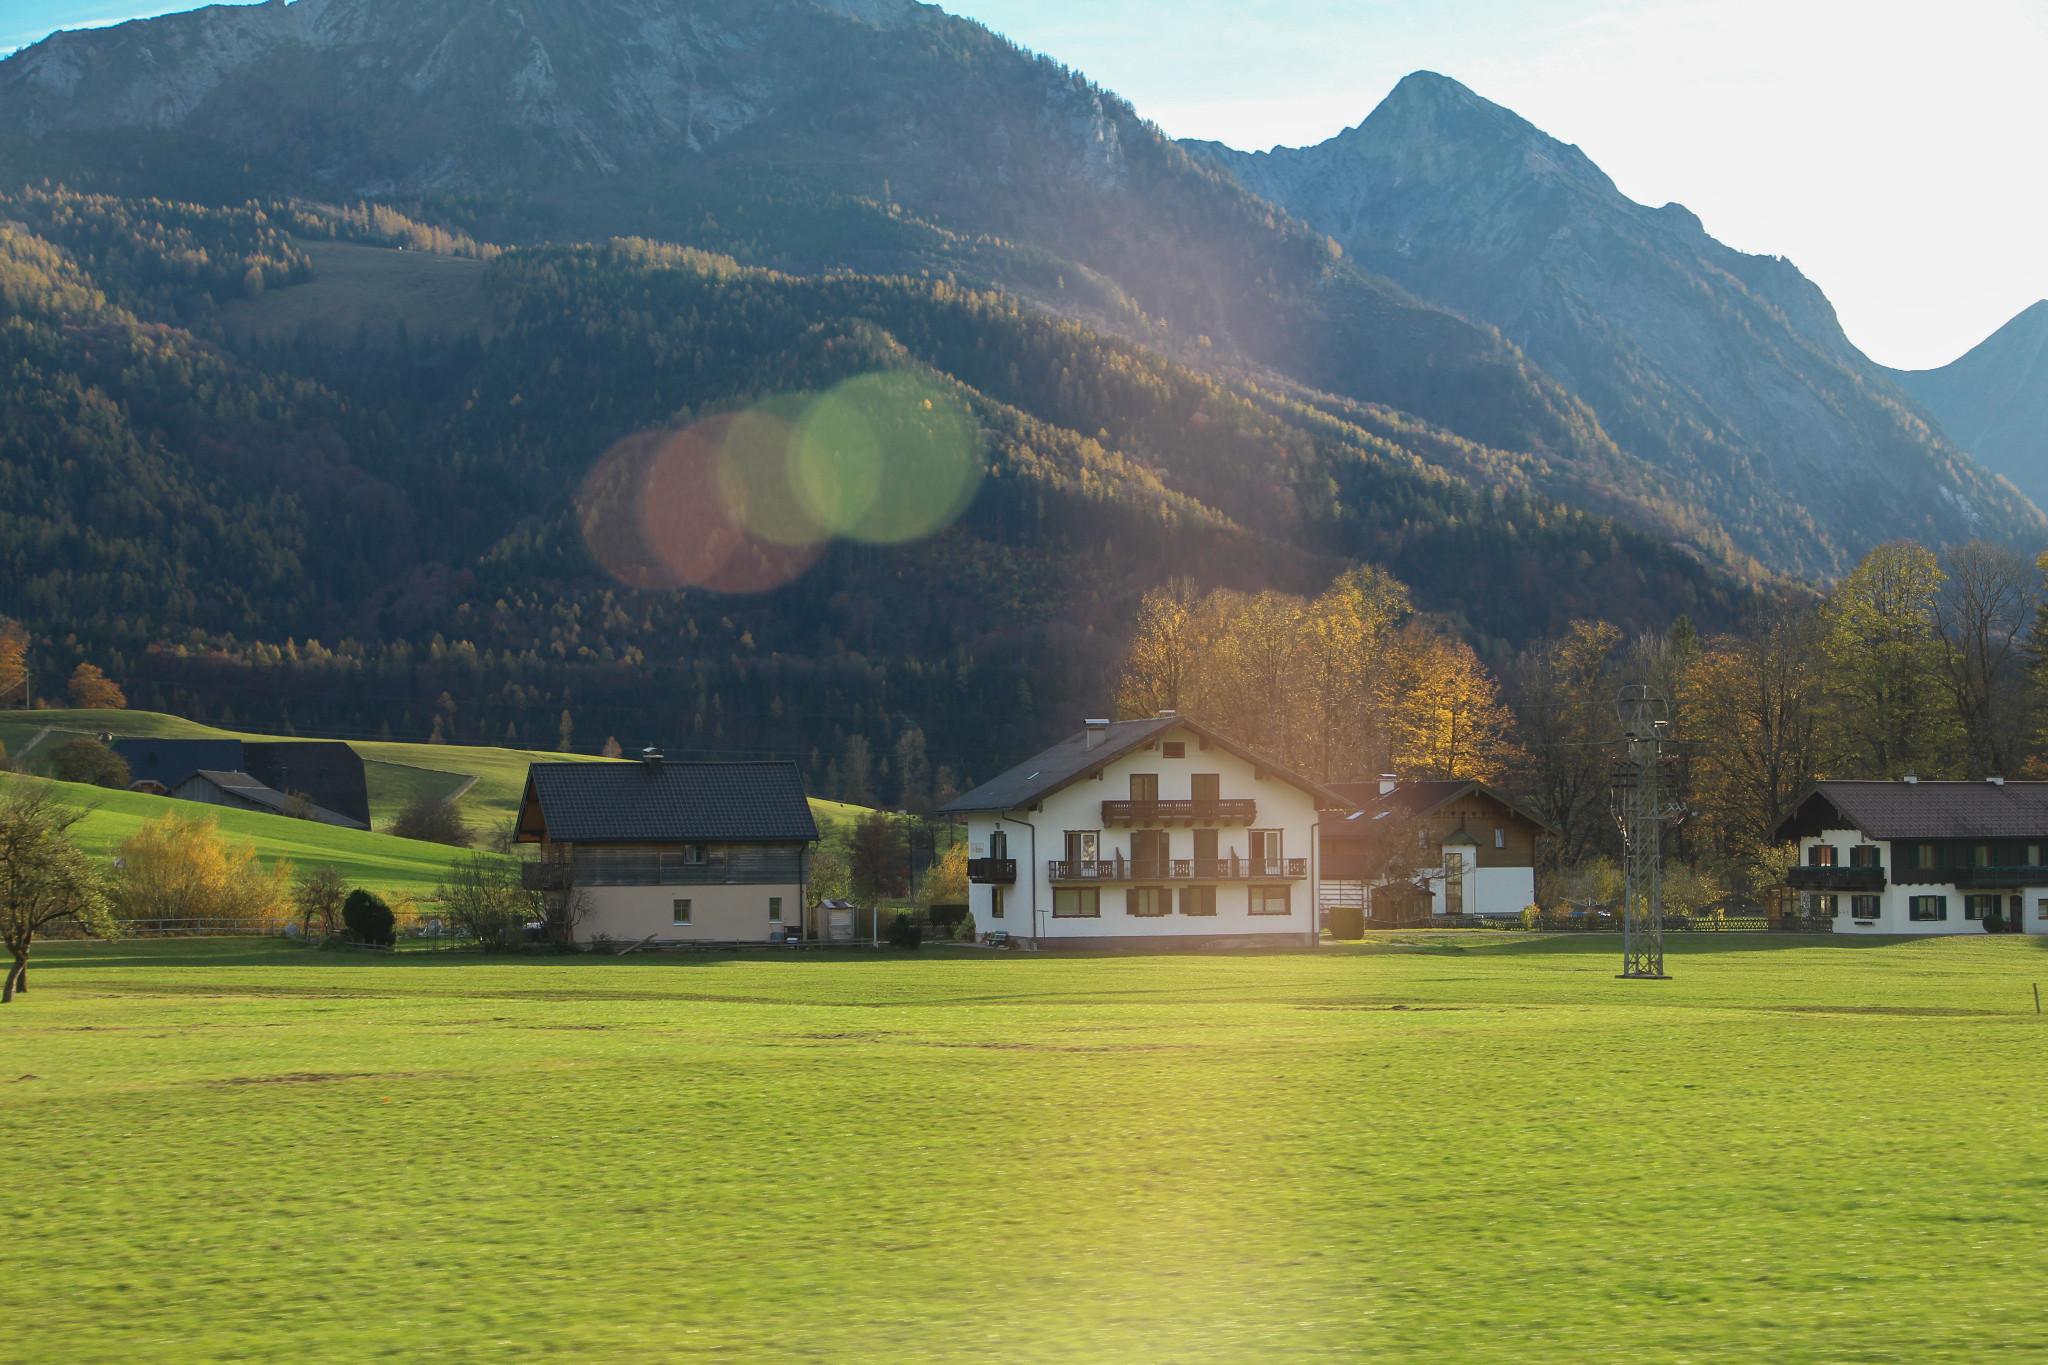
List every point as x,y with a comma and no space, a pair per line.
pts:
1481,1148
391,866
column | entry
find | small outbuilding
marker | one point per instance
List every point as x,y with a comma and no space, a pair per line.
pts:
1474,848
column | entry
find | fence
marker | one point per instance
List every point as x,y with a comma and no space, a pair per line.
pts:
197,928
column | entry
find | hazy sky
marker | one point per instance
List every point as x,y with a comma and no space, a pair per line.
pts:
1892,150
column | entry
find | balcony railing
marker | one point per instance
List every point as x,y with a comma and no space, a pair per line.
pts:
1180,870
992,871
1970,878
1804,878
1155,814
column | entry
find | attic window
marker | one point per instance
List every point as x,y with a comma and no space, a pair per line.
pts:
1174,748
1500,837
693,856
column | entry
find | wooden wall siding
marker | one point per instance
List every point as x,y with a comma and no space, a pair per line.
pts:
1480,816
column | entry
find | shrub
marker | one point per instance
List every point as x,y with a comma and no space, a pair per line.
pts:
368,919
486,897
178,866
85,759
429,818
1532,916
905,931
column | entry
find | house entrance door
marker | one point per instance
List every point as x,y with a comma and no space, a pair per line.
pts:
1205,854
1150,851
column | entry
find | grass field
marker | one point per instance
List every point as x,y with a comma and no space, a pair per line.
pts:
1484,1149
395,771
394,867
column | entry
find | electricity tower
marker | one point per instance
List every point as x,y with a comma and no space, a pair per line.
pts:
1642,810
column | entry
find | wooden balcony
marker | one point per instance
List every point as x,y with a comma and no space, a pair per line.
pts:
1181,870
1805,878
992,871
1164,814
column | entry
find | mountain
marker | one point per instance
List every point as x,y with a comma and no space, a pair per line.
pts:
879,135
1994,400
223,485
1726,371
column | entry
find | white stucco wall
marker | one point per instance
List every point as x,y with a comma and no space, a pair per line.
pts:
1281,806
718,914
1893,902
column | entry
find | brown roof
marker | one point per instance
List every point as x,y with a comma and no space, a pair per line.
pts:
1922,810
1415,799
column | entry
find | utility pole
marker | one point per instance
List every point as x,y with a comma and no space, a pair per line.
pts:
1642,810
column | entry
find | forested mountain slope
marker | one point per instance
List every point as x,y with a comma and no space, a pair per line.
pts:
881,136
1994,400
193,499
1727,371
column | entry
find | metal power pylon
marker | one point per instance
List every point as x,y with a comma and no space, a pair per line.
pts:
1642,810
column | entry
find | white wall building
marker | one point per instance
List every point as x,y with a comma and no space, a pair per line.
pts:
1146,834
1913,857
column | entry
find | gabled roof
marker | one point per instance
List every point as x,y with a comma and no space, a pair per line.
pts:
1413,800
665,802
1071,760
1922,810
243,787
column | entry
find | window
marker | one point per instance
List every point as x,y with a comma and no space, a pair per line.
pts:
1174,748
1151,853
2033,855
1144,786
1980,855
1863,907
1828,907
1454,881
2041,910
1076,902
995,902
1927,908
682,912
1923,856
1821,855
775,909
693,855
998,844
1982,907
1201,900
1148,902
1083,849
1500,837
1270,900
1863,855
1266,851
1206,786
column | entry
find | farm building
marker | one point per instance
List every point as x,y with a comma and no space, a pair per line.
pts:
1912,857
1473,848
328,773
240,791
1146,834
671,852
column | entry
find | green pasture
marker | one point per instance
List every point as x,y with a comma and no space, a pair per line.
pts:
1476,1149
395,772
396,867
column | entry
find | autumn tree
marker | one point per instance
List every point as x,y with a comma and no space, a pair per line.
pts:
92,690
1565,712
1164,650
180,867
13,669
44,878
1757,705
1445,717
1982,612
1884,655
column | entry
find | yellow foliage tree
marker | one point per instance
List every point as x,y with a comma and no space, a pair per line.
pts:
181,867
13,668
945,881
1444,710
93,690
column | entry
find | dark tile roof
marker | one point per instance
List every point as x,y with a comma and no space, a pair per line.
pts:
670,802
1412,800
1922,810
328,772
243,787
171,761
1071,760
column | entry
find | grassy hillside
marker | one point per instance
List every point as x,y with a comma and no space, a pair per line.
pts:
395,867
490,780
1487,1151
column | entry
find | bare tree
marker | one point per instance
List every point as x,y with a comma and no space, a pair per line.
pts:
1566,705
1981,611
488,897
43,878
317,896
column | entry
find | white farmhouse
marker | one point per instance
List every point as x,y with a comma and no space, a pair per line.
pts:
1914,857
1146,834
672,853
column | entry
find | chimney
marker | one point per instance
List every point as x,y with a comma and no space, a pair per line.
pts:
1388,782
1996,781
1909,777
1097,731
650,759
1167,715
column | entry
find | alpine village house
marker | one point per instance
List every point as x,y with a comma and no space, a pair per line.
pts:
660,852
1146,834
1913,857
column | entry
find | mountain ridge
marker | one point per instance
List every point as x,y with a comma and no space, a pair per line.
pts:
1993,399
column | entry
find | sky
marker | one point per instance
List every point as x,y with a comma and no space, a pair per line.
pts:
1891,150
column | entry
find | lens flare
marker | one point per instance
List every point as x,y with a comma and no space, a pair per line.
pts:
886,458
655,515
754,475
